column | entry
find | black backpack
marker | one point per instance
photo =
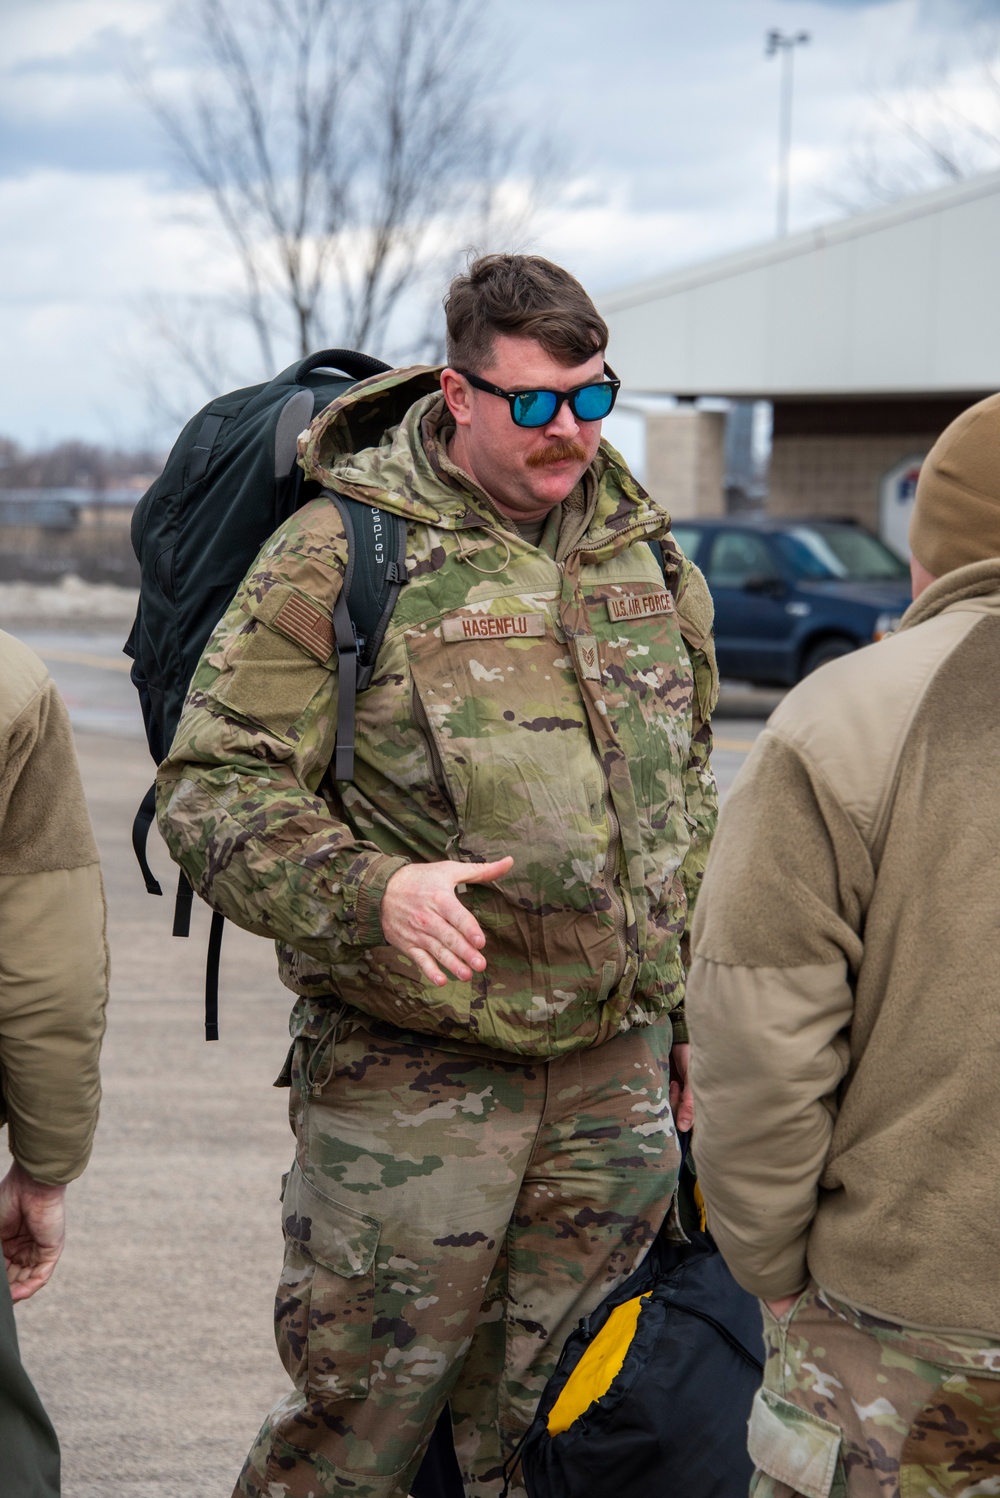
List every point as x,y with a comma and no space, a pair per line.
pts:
688,1347
230,480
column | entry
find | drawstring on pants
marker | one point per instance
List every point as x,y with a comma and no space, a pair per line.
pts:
511,1464
329,1033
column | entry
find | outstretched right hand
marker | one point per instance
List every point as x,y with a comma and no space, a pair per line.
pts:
423,918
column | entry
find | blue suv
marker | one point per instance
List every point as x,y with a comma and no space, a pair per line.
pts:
793,593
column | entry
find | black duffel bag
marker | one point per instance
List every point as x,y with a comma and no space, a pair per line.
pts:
652,1394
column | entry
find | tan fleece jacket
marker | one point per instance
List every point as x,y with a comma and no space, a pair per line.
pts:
843,1000
53,955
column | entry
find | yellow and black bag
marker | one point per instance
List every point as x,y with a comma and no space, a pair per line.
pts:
653,1390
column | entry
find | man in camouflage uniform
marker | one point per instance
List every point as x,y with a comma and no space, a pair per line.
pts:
847,1033
479,1084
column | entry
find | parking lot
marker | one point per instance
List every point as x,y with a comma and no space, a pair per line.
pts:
152,1346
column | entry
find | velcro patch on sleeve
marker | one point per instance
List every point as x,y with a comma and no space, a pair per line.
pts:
307,625
493,627
640,605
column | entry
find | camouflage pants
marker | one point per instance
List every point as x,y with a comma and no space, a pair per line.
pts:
856,1407
447,1221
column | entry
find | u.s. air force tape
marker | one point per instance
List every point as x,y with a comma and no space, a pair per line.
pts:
640,605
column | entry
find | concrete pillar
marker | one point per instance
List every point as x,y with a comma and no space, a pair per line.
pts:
685,461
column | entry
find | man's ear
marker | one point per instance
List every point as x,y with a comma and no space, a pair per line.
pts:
458,396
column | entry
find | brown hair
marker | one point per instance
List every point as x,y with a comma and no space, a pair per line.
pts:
523,296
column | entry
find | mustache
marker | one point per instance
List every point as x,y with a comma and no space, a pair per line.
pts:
560,451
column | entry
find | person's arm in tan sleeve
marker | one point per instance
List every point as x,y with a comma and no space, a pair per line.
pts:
53,953
53,990
769,1000
701,806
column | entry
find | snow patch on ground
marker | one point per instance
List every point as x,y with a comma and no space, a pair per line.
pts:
70,602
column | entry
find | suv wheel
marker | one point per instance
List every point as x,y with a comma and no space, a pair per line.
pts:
826,650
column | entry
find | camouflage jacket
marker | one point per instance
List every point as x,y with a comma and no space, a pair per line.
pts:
548,701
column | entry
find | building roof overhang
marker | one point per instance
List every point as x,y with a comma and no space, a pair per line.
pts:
904,300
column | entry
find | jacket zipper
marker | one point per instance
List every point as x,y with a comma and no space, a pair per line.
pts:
437,768
640,529
610,870
611,882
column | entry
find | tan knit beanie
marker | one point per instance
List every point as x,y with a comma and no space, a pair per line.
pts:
956,517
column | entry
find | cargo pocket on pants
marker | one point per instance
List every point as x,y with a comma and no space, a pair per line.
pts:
954,1432
325,1304
794,1448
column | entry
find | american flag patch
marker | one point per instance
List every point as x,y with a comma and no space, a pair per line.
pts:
307,625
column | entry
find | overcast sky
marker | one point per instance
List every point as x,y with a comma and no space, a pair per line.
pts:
667,110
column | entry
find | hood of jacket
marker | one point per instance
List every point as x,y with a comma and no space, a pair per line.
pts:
375,444
976,580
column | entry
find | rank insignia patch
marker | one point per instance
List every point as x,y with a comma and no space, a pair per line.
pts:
590,663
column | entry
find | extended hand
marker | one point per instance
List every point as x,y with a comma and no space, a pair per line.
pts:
681,1096
423,917
32,1229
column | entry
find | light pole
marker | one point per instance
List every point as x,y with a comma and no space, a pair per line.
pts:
778,41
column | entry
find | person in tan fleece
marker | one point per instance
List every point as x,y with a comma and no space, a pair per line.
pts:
844,1006
53,990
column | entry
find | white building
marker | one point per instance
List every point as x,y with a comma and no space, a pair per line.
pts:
868,335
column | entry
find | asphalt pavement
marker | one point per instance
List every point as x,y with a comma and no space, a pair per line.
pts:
152,1346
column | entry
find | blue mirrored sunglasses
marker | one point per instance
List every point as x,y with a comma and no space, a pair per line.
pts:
536,408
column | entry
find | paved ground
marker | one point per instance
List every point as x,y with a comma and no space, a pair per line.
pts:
152,1346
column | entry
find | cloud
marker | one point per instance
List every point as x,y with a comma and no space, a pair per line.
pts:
79,256
43,31
108,144
667,113
845,4
65,102
937,14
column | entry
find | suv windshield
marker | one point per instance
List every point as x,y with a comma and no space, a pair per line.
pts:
841,553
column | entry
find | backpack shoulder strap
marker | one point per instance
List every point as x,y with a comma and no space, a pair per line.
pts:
657,551
140,837
695,613
376,571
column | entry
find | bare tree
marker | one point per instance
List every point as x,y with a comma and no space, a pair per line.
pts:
930,125
340,143
72,464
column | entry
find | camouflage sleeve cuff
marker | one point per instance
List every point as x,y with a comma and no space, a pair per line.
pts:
367,910
678,1024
